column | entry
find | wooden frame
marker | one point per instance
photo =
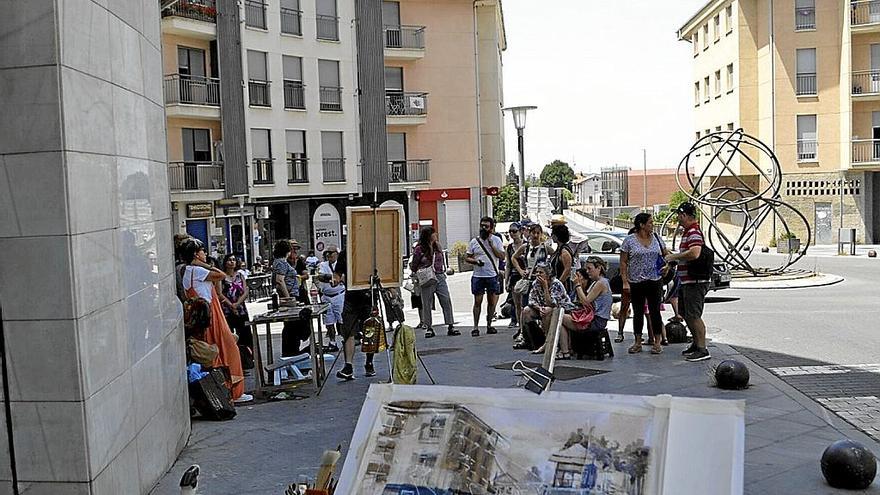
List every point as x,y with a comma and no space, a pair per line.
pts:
359,246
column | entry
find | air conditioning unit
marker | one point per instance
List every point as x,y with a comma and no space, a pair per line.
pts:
262,212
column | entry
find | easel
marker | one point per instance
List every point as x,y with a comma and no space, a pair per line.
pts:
376,288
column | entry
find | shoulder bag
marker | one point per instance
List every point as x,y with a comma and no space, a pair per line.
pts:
523,285
498,275
664,269
583,316
425,277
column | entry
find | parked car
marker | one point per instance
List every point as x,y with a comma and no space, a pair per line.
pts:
405,489
606,245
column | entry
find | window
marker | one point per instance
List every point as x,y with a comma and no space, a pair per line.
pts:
717,84
706,89
192,86
717,23
255,13
327,20
705,37
718,128
806,72
333,161
397,163
697,94
730,126
730,78
804,15
261,152
807,143
328,79
696,42
294,93
258,79
198,171
728,15
297,160
697,136
291,17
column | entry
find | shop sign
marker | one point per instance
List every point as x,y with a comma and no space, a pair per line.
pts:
199,210
326,228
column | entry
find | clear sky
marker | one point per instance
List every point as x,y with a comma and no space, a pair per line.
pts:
609,78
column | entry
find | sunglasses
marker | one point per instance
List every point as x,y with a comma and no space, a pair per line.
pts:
514,231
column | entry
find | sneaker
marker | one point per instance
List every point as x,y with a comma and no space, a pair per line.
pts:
244,398
698,355
429,333
513,324
491,330
369,370
475,332
452,332
691,348
344,374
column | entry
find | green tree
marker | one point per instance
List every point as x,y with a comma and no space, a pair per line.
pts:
532,181
505,206
567,195
677,198
512,176
557,174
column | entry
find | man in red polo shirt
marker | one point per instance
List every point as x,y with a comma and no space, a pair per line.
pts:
693,292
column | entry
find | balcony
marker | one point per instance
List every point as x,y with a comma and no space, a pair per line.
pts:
406,108
866,152
806,84
865,16
409,171
191,18
192,96
866,85
294,95
258,93
297,170
255,14
262,171
807,150
333,169
327,27
804,18
404,42
186,176
331,98
291,22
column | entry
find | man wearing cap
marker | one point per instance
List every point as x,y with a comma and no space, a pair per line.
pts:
692,293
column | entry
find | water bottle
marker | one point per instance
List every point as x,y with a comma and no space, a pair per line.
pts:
313,294
274,300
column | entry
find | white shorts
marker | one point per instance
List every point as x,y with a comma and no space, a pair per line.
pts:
334,313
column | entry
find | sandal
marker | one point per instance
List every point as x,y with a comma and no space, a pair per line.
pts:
637,347
563,356
656,349
619,337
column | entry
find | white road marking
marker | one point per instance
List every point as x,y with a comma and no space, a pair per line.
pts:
829,369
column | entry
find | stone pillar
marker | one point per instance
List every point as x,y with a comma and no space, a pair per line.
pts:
93,336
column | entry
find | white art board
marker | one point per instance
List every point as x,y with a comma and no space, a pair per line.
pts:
437,440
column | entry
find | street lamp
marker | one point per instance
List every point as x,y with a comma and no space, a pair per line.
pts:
519,121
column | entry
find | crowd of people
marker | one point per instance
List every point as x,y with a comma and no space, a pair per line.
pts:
540,276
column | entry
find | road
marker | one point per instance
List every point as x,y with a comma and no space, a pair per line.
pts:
824,341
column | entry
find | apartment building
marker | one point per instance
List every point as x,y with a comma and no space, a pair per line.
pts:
443,109
802,76
196,170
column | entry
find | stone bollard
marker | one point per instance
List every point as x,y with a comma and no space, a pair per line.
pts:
732,375
872,253
848,464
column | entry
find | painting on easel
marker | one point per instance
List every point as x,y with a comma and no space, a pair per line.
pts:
388,256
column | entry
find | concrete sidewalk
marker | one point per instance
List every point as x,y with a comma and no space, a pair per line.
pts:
269,445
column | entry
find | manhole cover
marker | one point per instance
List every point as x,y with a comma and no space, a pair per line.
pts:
438,350
563,373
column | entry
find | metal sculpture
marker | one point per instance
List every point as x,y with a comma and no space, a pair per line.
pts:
755,206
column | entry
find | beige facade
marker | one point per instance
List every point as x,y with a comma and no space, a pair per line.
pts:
454,61
799,76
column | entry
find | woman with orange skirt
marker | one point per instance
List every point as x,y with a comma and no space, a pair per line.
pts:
198,281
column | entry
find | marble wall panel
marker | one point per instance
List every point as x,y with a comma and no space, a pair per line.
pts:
43,267
88,113
85,29
103,347
31,91
96,268
92,181
26,47
125,51
110,423
50,442
37,197
29,345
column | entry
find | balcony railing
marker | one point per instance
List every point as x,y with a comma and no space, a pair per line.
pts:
255,13
331,98
258,93
328,27
199,10
804,18
807,150
865,150
806,84
866,82
400,171
262,168
291,21
865,12
408,37
294,95
334,169
195,176
192,90
405,103
297,170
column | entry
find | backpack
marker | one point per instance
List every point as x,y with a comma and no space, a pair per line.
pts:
703,267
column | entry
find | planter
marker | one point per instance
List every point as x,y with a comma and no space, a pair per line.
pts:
458,264
786,246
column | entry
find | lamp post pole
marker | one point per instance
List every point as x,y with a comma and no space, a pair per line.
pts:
519,121
645,178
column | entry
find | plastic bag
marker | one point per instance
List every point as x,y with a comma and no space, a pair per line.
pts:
404,371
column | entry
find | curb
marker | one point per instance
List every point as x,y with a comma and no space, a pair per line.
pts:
817,280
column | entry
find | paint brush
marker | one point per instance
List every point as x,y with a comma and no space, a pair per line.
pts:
328,467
